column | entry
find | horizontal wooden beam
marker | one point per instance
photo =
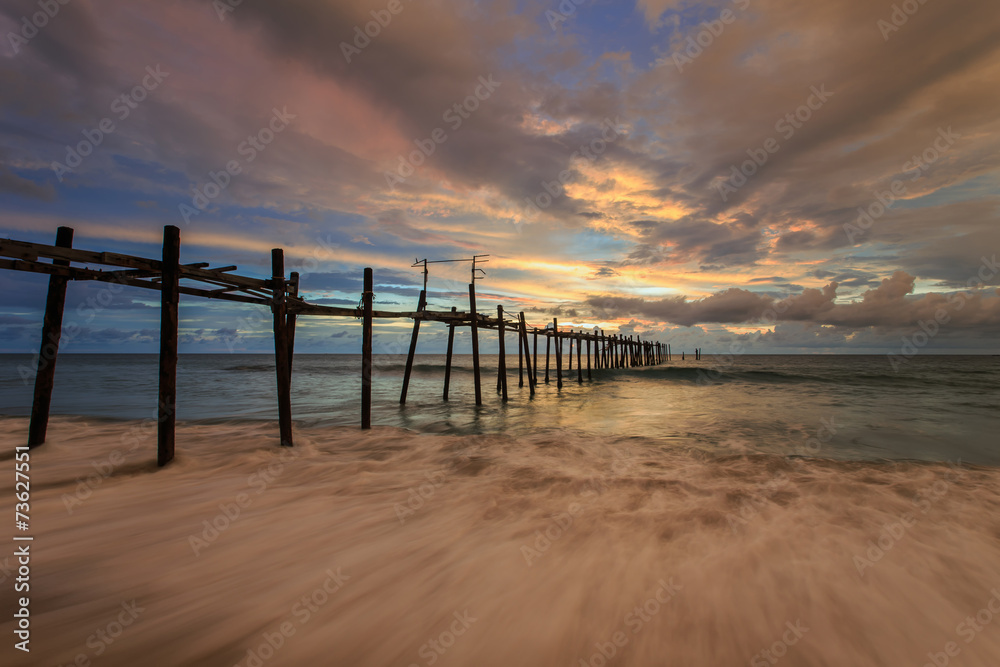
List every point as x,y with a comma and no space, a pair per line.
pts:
226,278
24,250
32,251
122,278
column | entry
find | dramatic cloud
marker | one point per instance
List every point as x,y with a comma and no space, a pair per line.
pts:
646,159
889,305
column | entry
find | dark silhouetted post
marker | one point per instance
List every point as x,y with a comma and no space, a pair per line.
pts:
170,296
527,357
293,290
558,344
421,304
569,367
548,348
279,305
447,361
502,366
520,359
475,342
45,375
588,359
534,365
367,298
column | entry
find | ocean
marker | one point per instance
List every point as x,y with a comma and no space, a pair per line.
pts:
815,511
933,408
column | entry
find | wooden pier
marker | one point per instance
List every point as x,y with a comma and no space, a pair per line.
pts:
281,294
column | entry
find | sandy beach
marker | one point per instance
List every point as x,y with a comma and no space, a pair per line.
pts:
394,548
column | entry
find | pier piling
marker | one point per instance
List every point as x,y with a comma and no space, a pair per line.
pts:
55,304
166,419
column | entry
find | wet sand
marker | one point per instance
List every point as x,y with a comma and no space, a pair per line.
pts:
393,548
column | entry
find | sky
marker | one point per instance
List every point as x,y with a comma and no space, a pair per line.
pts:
763,176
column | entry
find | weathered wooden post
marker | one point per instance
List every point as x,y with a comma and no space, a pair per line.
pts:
579,364
502,366
475,342
548,347
421,305
279,306
569,367
527,357
534,364
447,362
55,304
588,359
558,344
293,290
520,360
367,298
166,419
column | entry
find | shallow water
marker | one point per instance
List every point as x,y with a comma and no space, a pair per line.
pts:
934,408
